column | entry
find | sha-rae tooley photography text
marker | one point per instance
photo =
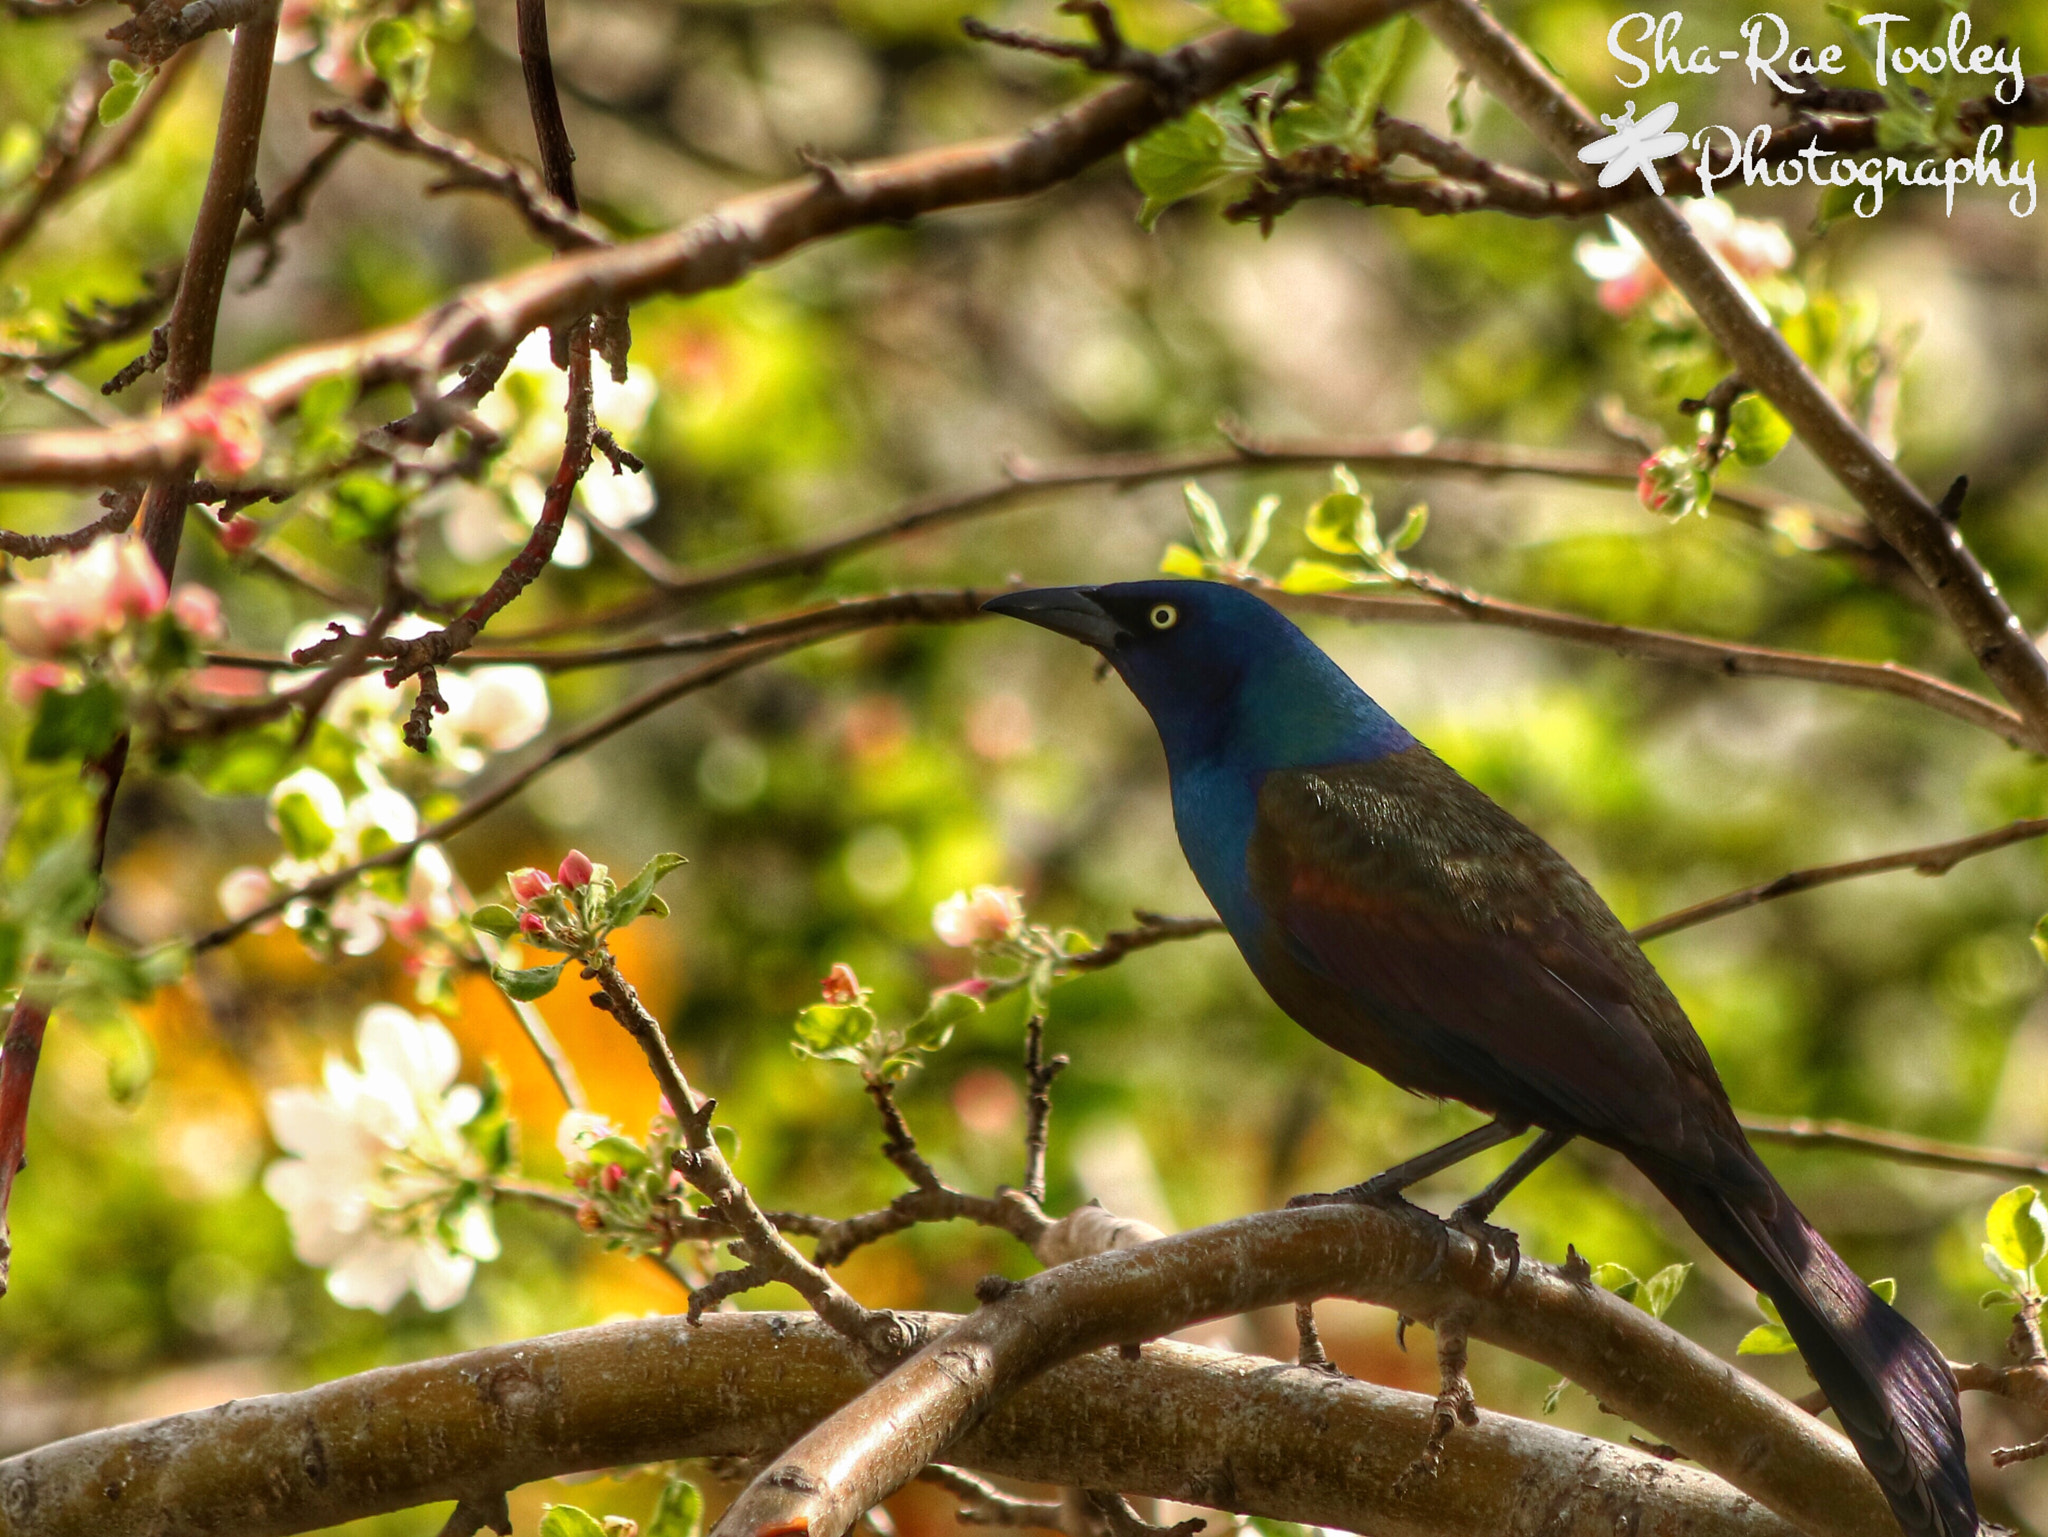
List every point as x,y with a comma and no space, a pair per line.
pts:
1921,86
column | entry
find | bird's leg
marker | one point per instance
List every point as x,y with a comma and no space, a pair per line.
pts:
1469,1217
1385,1189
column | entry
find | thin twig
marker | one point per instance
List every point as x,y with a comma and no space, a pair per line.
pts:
1039,1074
768,1255
1926,1152
1930,859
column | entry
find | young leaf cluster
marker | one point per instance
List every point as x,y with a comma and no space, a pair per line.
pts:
571,919
1236,140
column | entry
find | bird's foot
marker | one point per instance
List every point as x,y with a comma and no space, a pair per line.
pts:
1311,1354
1455,1404
1498,1244
1378,1191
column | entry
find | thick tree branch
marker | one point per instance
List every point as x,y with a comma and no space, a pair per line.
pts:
714,252
1184,1423
1679,1393
1909,522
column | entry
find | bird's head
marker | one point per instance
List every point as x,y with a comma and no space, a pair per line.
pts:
1218,668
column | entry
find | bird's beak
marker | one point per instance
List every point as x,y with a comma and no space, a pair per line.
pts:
1069,611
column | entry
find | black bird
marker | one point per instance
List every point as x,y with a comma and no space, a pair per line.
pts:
1402,917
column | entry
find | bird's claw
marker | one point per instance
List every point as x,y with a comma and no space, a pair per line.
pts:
1498,1244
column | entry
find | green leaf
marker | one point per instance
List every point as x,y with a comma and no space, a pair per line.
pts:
364,508
1413,524
635,895
1349,89
1662,1289
120,97
1333,523
1556,1394
1619,1279
1179,560
525,986
305,832
931,1030
1766,1340
1207,519
1253,15
75,723
569,1521
1258,529
1176,161
399,53
627,1154
1886,1287
499,922
2018,1228
1997,1298
1769,1309
1317,576
678,1513
1756,431
827,1027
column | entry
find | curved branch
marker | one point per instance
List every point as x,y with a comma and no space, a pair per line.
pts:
1182,1423
1729,1424
715,251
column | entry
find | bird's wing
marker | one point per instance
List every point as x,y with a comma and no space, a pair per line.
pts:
1439,934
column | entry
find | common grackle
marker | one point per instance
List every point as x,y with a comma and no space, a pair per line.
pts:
1402,917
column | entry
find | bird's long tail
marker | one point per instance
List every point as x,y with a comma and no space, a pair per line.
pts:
1890,1388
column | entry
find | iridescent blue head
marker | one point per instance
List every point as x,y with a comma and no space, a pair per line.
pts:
1226,677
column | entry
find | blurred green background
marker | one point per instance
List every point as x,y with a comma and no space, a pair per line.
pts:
826,802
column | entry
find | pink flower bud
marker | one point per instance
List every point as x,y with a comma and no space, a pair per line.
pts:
532,923
576,869
197,609
229,424
1650,490
973,987
137,590
840,986
29,684
238,533
529,885
614,1175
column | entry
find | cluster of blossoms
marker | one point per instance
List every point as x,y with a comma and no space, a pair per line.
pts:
632,1196
327,821
527,410
1750,249
386,1182
571,913
105,608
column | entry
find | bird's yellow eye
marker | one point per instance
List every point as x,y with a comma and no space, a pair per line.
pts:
1165,616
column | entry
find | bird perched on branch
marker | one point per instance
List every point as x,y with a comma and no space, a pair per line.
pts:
1402,917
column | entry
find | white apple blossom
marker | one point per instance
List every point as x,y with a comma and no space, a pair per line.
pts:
579,1131
498,708
379,1185
526,409
980,916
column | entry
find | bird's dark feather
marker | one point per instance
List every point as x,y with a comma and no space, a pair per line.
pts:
1415,925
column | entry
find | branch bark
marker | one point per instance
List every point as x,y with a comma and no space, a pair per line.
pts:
1909,522
1183,1423
1643,1371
